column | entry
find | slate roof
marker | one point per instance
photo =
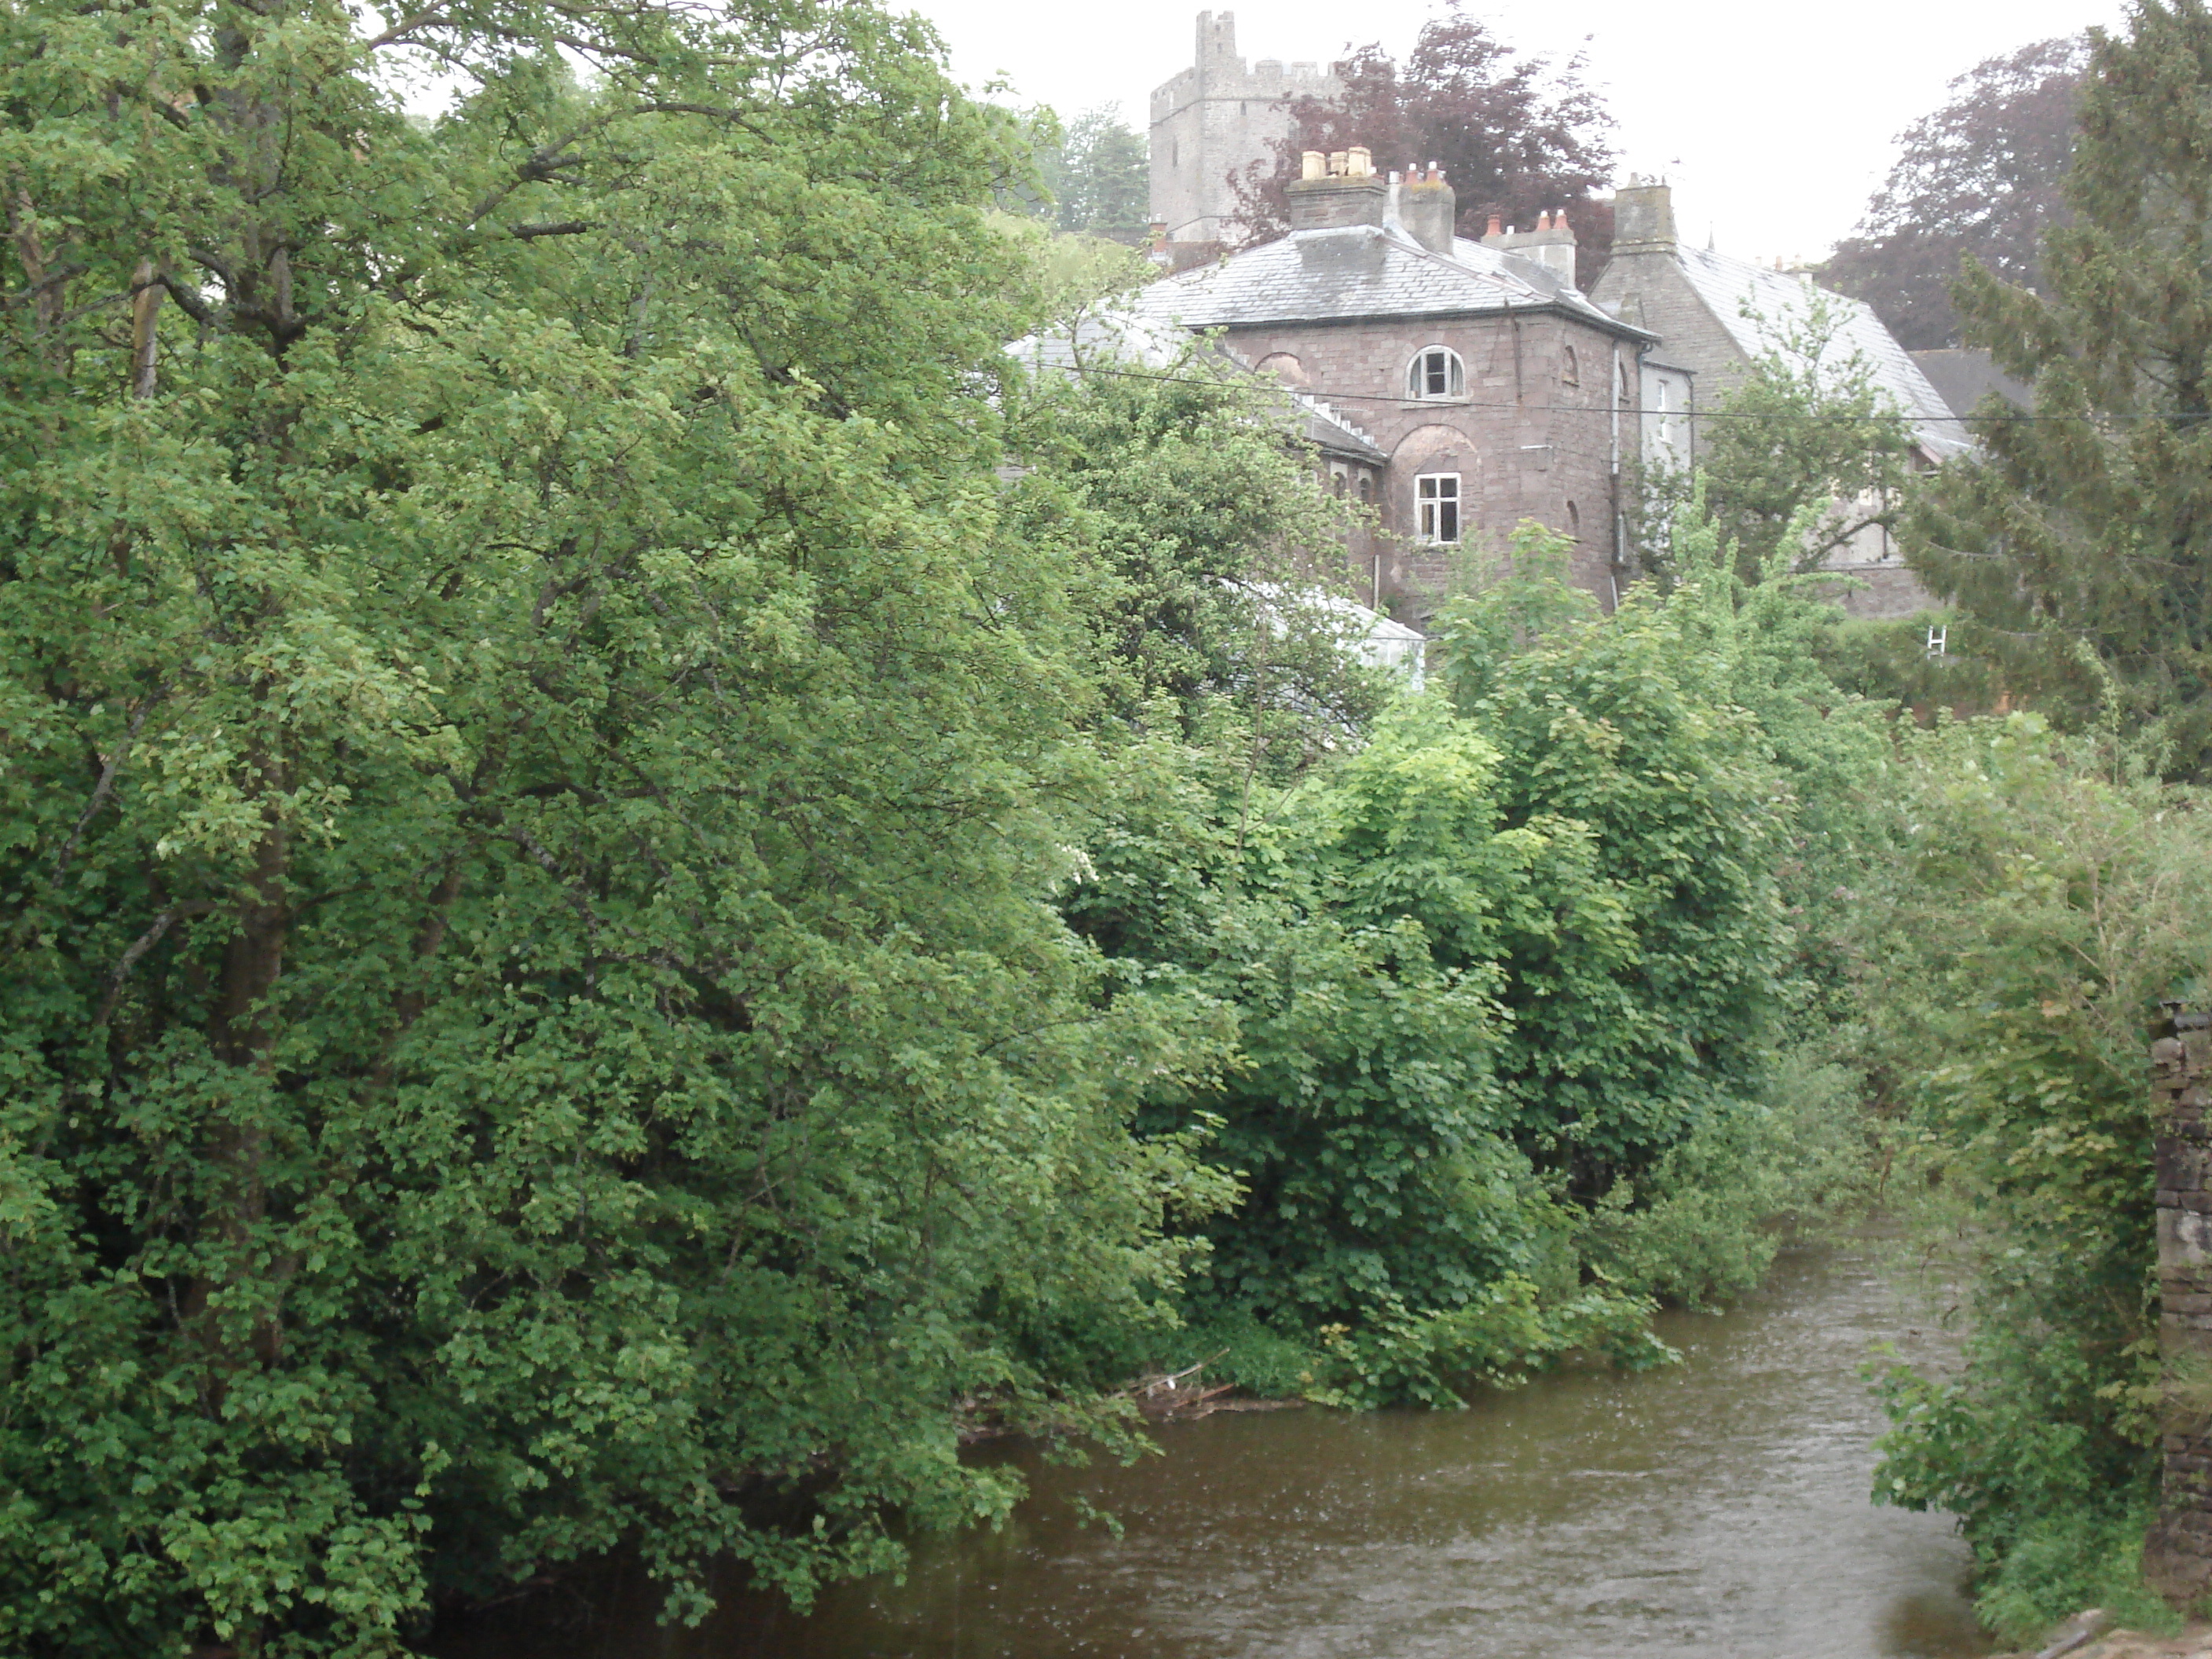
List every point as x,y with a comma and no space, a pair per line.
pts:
1753,303
1360,272
1964,377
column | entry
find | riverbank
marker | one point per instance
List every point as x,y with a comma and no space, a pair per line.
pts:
2195,1642
1716,1506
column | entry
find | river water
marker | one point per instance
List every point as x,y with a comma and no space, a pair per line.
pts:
1714,1508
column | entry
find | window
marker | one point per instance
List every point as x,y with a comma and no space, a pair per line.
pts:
1435,497
1574,521
1435,373
1627,394
1571,368
1336,482
1366,487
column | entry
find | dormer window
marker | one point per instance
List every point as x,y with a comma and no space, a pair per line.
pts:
1435,373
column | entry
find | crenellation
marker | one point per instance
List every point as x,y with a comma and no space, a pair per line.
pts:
1216,119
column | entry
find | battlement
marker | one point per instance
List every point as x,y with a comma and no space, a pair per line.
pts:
1218,117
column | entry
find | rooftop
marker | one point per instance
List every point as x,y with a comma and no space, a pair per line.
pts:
1357,272
1756,306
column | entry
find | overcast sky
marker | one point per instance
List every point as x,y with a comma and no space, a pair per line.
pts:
1775,121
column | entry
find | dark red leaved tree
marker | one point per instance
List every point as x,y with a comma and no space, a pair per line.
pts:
1516,134
1981,176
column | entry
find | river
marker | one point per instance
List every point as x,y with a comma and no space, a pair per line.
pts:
1714,1508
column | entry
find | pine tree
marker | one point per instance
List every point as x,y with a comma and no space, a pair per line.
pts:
2082,535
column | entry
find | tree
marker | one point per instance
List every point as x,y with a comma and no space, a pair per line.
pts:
1517,136
2013,938
1099,175
1804,455
533,782
2082,538
1981,176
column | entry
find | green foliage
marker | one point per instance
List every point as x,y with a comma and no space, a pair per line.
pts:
1640,990
1499,1338
533,778
1701,1227
1203,512
1890,658
1504,975
2079,538
2012,956
1805,453
1098,175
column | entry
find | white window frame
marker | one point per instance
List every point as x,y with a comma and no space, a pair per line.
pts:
1437,508
1420,372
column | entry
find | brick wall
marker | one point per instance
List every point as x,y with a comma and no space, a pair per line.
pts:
1527,443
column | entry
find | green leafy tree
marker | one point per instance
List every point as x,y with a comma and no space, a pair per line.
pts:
1807,451
2012,951
1636,1013
530,1015
1100,176
2083,537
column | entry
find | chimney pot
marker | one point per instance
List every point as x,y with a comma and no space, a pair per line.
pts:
1496,224
1338,190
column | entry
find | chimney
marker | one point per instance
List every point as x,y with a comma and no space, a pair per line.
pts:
1337,191
1550,244
1426,208
1642,217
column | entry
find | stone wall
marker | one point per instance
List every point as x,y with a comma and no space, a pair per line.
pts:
1217,118
2178,1557
1527,443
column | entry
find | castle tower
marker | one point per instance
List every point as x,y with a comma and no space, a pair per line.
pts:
1216,118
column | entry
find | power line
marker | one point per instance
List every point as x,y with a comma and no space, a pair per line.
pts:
1603,409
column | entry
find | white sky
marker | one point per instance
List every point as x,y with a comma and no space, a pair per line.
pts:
1775,121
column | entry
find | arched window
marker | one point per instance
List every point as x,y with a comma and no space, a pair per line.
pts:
1337,481
1436,372
1574,521
1571,368
1366,486
1627,397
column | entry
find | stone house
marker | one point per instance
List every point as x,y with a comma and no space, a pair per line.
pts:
1715,314
1484,388
1215,119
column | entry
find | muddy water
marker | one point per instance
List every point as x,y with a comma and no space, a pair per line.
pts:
1718,1507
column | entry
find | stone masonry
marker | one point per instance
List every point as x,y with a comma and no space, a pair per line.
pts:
1216,118
2178,1557
1534,439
